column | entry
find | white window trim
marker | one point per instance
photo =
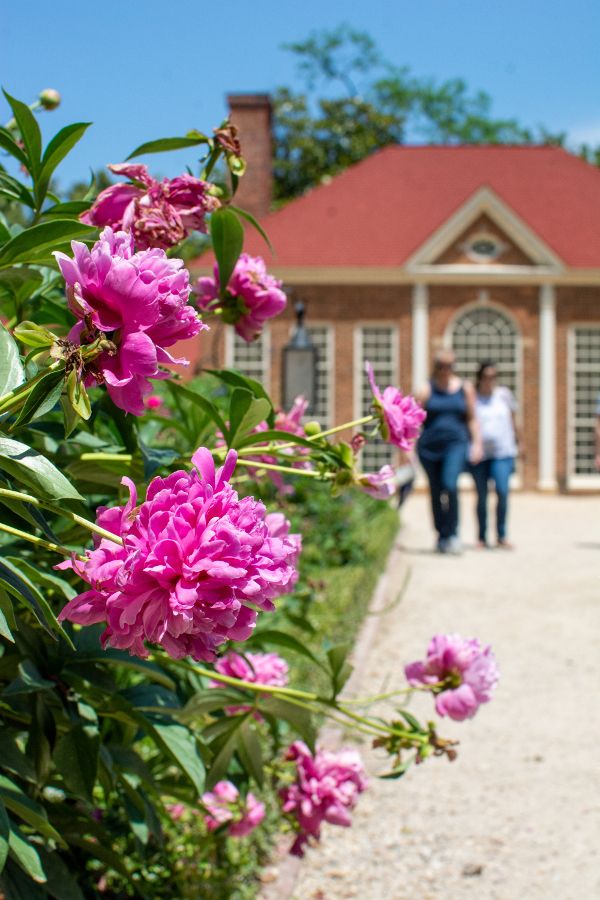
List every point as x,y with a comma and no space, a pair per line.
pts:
591,481
493,304
230,355
358,361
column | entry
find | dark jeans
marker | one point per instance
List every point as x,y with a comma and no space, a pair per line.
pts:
498,471
443,486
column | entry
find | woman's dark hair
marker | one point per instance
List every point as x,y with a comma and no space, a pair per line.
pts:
486,364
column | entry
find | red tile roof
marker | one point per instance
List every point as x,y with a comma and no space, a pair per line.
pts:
380,211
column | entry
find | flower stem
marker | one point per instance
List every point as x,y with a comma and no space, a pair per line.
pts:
268,448
40,542
107,457
310,473
65,513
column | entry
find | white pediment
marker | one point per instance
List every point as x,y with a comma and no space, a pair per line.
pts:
484,202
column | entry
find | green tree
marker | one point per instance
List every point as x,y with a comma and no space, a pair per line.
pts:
356,102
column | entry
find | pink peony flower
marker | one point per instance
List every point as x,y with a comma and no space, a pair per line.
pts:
400,415
381,485
140,300
176,811
159,214
258,668
253,296
224,804
193,556
459,671
326,789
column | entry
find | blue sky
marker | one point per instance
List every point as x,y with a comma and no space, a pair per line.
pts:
155,69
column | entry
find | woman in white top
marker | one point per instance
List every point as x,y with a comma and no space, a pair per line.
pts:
495,409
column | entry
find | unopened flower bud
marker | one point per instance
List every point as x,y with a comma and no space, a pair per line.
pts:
49,98
312,428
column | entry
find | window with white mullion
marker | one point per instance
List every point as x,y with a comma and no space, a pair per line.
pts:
322,338
483,333
583,401
251,359
376,344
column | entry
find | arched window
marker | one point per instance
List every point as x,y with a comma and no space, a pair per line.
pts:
485,332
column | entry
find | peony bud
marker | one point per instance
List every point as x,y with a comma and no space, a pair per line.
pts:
49,98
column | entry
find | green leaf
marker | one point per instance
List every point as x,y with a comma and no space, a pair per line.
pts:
37,473
102,852
34,244
250,753
14,190
5,631
227,236
245,412
61,144
8,143
33,335
154,458
78,396
300,719
26,855
19,585
43,578
12,373
43,397
180,744
340,668
13,758
4,833
236,379
29,681
71,210
198,400
271,638
76,758
30,134
250,218
223,748
161,145
19,284
61,883
212,700
27,809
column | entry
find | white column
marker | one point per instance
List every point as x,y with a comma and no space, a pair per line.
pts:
547,350
420,335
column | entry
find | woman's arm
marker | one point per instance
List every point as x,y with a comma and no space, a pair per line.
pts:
476,449
518,428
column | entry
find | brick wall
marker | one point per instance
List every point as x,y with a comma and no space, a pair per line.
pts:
345,307
251,114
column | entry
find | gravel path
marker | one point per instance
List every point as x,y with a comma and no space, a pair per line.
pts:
517,815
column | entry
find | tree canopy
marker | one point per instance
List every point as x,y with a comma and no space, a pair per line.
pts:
354,102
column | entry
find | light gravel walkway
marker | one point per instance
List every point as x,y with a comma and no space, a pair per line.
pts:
517,816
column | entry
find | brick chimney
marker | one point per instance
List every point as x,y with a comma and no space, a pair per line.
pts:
251,114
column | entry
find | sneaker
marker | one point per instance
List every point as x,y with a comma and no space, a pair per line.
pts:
454,546
442,545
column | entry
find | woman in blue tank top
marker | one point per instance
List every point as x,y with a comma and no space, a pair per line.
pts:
443,447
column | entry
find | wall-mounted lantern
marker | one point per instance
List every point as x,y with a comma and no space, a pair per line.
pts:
299,365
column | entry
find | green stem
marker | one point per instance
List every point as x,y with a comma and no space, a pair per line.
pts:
385,729
310,473
107,457
313,437
40,542
65,513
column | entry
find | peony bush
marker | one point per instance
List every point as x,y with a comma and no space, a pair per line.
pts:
152,733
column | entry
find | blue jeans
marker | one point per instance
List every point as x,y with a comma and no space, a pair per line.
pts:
498,471
443,486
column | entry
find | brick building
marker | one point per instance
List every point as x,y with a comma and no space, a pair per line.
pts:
494,251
